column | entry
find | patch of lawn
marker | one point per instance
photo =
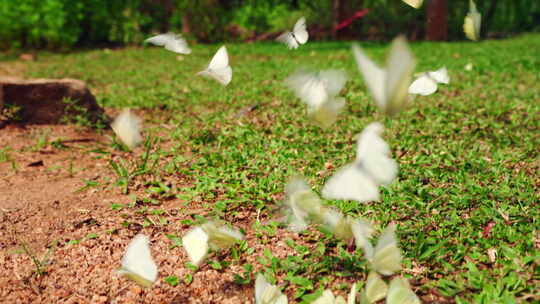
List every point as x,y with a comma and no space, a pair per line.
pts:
466,200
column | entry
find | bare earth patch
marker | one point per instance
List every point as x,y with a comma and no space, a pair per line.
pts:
45,207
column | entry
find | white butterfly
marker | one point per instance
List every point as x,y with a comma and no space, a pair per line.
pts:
172,42
301,203
318,91
346,227
468,67
265,293
375,289
373,166
328,297
400,292
219,68
414,3
473,22
137,263
298,36
199,240
388,86
386,257
127,127
426,84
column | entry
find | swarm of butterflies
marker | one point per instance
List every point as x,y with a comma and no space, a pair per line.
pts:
391,87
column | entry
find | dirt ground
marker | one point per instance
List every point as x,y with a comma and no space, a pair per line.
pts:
41,204
45,209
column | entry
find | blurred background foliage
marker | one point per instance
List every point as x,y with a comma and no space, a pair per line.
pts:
58,24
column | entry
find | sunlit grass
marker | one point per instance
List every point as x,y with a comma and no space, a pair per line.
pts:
469,154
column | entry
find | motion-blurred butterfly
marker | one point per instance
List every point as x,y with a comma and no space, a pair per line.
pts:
360,180
328,297
473,22
374,290
265,293
400,292
318,90
199,240
219,68
414,3
137,263
388,86
386,257
171,41
127,127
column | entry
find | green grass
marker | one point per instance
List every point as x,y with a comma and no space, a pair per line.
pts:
468,155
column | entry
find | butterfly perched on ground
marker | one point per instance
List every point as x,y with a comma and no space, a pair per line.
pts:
328,297
399,292
347,227
301,203
137,263
265,293
299,35
360,180
219,68
374,290
388,85
127,127
426,84
318,90
199,240
414,3
385,258
171,41
473,22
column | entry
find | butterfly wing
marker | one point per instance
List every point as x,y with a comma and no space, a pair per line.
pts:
361,230
127,127
373,75
375,290
265,293
308,87
137,263
351,298
440,75
423,85
159,40
327,113
172,42
326,298
288,39
177,44
399,68
219,68
301,203
414,3
300,32
373,155
195,243
351,183
333,80
473,22
260,286
400,292
387,256
221,237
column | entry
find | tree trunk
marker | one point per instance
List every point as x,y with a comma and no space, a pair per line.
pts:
186,29
489,16
437,20
335,16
